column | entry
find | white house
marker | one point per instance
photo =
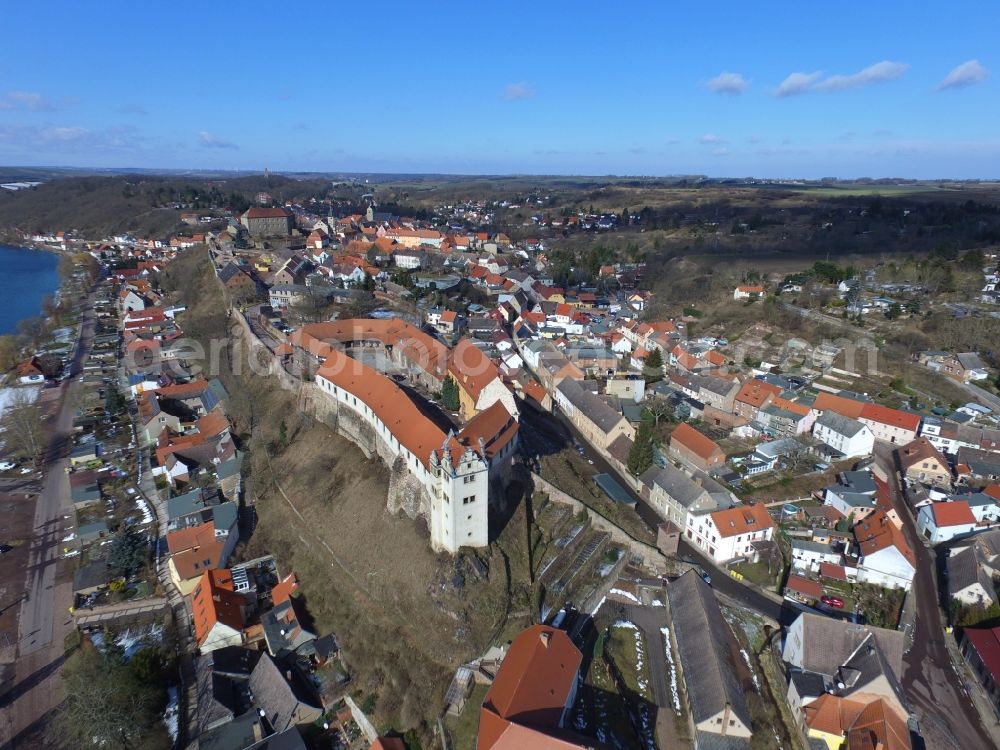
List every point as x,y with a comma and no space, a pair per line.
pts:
942,522
846,436
748,291
728,534
968,580
884,557
890,425
808,555
407,261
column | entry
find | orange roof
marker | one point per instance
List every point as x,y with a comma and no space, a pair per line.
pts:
472,369
564,309
812,589
993,490
534,390
184,390
716,358
533,684
195,549
878,532
794,408
846,407
832,714
283,349
751,289
834,572
640,353
743,519
448,316
892,417
879,727
213,423
756,392
266,213
283,589
954,513
214,601
694,441
687,361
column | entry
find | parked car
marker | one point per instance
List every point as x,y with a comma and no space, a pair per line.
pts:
832,601
7,465
705,576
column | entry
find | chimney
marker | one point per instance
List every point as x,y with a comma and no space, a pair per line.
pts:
545,636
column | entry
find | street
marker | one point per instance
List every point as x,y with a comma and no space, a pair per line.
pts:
44,618
935,690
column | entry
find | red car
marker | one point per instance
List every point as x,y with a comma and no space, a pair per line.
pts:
832,601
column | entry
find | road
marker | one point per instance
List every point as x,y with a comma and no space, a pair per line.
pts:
44,620
978,394
551,435
947,716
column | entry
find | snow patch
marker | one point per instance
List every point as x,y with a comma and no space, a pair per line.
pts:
674,693
626,595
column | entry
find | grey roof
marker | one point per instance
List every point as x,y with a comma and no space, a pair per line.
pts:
675,483
237,734
220,697
283,635
855,499
231,467
592,406
840,424
712,741
867,664
92,575
776,448
829,643
810,546
808,684
965,569
989,542
92,530
970,361
858,481
703,643
276,696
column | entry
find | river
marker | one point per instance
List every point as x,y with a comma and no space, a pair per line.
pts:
26,276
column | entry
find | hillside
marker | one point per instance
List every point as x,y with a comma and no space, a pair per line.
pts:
405,617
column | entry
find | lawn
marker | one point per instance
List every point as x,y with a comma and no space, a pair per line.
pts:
626,647
465,728
757,573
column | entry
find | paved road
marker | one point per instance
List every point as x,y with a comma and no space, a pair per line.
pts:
44,620
936,694
555,434
978,394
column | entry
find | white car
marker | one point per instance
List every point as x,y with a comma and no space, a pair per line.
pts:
7,465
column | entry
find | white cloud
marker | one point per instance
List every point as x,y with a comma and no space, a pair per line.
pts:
797,83
801,83
712,139
728,83
514,92
961,76
29,100
877,73
208,140
723,151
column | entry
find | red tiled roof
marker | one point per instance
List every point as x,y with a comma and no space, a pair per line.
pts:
755,392
266,213
694,441
533,684
846,407
954,513
743,519
195,549
833,572
214,600
987,644
892,417
812,589
877,532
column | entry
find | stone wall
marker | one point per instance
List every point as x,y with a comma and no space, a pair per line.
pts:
650,555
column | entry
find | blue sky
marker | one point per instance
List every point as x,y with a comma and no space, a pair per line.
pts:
725,89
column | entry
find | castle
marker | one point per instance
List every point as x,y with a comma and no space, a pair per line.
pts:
447,475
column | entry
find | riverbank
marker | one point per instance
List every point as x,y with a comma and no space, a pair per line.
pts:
28,277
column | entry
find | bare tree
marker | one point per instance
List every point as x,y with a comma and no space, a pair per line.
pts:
658,408
24,425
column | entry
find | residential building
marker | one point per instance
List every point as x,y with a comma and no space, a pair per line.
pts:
808,555
695,449
267,222
981,648
884,557
530,698
846,437
969,580
731,533
679,497
596,420
942,522
702,640
890,425
920,461
748,291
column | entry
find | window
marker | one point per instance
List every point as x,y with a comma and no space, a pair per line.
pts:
468,500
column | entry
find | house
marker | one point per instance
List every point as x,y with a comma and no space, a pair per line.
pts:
969,581
31,371
695,449
808,555
977,463
890,425
783,418
728,534
752,396
293,271
748,291
218,611
981,649
942,522
195,549
884,556
834,721
964,367
532,693
679,498
285,698
845,437
920,461
702,640
800,589
267,222
239,283
598,422
854,495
